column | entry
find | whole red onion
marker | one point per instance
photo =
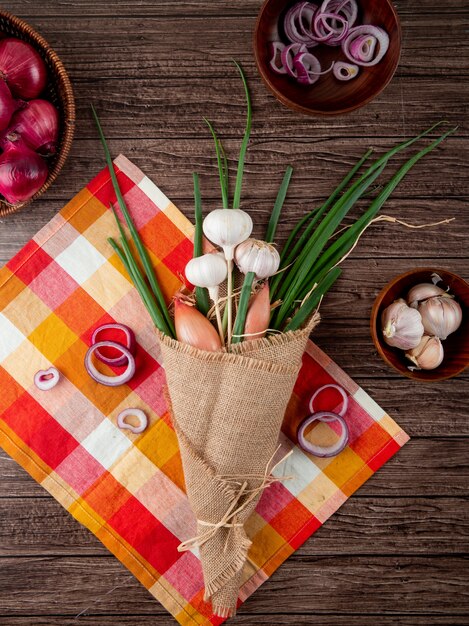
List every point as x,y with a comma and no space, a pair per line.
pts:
22,67
37,125
7,105
22,173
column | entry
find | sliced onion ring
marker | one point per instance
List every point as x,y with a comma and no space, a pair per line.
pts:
343,408
109,381
47,379
328,33
288,55
276,48
382,39
129,343
294,23
345,71
323,451
348,8
141,415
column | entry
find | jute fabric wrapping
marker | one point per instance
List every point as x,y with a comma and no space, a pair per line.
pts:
227,409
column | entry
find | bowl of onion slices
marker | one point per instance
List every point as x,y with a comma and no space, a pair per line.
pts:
327,57
37,114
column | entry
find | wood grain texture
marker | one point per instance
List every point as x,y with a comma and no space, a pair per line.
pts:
396,553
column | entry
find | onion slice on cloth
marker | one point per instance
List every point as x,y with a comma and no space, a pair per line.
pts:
323,451
47,379
366,45
103,379
343,408
129,343
138,413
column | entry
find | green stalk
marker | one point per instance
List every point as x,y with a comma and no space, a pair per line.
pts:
345,242
244,143
275,215
240,322
140,285
302,266
305,311
143,254
222,166
314,216
201,294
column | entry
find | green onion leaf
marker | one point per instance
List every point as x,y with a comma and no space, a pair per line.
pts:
201,294
240,322
244,143
275,215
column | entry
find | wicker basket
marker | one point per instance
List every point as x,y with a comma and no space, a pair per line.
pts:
58,91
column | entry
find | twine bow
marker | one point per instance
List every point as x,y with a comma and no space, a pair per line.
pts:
229,518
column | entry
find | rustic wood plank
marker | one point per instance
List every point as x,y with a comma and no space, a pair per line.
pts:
378,526
247,619
344,584
424,467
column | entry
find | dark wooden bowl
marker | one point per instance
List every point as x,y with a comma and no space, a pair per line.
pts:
456,346
329,96
58,91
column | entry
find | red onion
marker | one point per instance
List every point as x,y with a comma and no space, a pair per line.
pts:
46,379
297,23
345,71
352,48
323,451
37,124
129,344
276,48
109,381
143,419
348,8
22,68
22,172
328,33
7,105
308,68
344,407
287,56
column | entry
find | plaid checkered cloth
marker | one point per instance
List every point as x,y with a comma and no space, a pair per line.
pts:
129,489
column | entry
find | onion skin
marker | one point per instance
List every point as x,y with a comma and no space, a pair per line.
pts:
193,328
22,67
37,125
22,173
258,315
7,105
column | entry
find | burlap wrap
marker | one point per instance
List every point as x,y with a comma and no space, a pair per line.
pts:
227,409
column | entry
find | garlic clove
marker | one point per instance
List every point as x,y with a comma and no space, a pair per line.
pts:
423,291
401,325
260,257
227,228
428,354
441,316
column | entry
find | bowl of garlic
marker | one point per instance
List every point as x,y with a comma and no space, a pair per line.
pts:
420,324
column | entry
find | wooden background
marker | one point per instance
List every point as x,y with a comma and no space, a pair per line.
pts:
397,551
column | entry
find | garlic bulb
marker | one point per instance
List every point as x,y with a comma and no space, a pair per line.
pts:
428,354
227,228
441,316
402,326
260,257
208,270
423,291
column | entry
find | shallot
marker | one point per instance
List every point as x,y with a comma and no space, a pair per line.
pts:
193,328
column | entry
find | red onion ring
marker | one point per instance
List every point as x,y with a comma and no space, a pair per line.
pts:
143,419
47,379
344,407
323,451
295,22
348,8
327,33
308,68
129,343
110,381
374,31
276,48
345,71
288,55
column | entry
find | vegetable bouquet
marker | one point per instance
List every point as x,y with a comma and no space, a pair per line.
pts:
232,347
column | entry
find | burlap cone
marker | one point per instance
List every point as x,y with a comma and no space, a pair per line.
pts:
227,409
